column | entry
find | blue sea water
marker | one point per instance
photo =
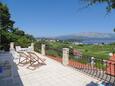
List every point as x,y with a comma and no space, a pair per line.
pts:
105,41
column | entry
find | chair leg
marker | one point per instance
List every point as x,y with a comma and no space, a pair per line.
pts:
21,62
31,63
42,61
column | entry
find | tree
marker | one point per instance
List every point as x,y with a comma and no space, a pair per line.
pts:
6,25
23,41
30,37
18,32
5,22
8,33
110,3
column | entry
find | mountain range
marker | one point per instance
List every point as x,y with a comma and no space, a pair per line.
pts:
87,36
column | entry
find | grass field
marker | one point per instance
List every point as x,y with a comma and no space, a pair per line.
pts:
98,51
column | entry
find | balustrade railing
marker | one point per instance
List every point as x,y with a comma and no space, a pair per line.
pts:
95,67
54,53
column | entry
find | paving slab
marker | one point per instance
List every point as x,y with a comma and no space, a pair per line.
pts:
53,74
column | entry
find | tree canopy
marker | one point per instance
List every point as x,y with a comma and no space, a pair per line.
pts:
9,33
5,22
110,3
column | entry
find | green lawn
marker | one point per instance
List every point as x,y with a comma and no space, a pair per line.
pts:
98,51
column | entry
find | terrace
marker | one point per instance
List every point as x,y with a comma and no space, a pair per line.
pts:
56,72
51,74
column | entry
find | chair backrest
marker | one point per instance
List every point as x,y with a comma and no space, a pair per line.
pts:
23,54
18,48
32,55
30,48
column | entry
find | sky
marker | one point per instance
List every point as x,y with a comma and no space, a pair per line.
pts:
50,18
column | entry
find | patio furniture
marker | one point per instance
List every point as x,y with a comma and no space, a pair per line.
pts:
30,57
23,57
35,57
18,48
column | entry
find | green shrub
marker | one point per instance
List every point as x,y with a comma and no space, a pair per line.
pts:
37,46
54,53
23,41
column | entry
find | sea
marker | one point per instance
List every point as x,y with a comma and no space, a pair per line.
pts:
99,41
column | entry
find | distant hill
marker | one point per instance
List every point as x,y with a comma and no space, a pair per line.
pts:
87,36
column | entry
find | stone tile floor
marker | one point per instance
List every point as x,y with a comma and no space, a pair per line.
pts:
51,74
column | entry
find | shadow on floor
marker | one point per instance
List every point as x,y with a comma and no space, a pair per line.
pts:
92,84
101,84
